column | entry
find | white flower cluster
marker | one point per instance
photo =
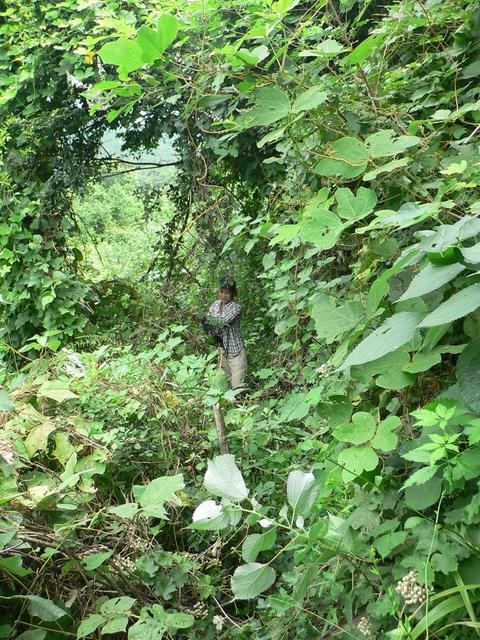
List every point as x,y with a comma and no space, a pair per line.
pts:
75,82
410,590
218,622
199,611
364,627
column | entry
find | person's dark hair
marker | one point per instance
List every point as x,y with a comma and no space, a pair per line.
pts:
227,282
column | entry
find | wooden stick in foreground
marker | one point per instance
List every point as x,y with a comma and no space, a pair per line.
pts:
220,425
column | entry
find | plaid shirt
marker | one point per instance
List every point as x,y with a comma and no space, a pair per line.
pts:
226,326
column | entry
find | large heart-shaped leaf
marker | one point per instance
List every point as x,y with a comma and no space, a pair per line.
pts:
348,159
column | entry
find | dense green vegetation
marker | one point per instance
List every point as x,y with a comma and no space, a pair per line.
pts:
326,153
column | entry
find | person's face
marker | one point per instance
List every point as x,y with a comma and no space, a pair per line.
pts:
224,295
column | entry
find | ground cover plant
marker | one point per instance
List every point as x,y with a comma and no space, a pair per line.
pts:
326,154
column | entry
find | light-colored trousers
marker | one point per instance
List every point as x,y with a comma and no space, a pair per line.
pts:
235,368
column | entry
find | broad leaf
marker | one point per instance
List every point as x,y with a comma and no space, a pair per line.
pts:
37,438
321,227
209,516
224,479
44,609
457,306
125,54
333,321
348,159
430,278
95,560
6,403
56,390
383,144
256,543
156,493
384,439
154,43
252,579
355,206
392,334
360,430
309,99
387,543
386,168
356,460
90,624
302,491
271,104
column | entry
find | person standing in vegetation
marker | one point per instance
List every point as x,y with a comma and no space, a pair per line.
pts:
223,323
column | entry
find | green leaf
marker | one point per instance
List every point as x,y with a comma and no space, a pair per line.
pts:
224,479
95,560
348,159
355,207
382,144
44,609
153,496
118,605
116,625
468,370
430,278
209,516
332,321
321,227
256,543
154,43
127,510
356,460
252,579
56,390
363,51
386,544
125,54
14,565
421,476
386,168
360,430
37,438
471,254
309,99
392,334
384,439
32,634
302,491
6,403
423,361
271,104
421,497
458,305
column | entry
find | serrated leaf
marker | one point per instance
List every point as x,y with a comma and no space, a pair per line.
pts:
392,334
252,579
430,278
223,478
256,543
421,476
355,206
360,430
457,306
423,361
309,99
